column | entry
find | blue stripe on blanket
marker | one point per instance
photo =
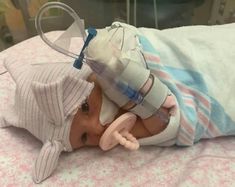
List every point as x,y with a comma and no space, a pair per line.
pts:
147,46
222,123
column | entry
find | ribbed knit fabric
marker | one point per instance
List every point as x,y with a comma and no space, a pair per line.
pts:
46,100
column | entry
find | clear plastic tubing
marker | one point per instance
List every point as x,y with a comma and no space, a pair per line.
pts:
70,11
113,80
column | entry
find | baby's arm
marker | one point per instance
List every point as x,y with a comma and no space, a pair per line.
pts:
156,124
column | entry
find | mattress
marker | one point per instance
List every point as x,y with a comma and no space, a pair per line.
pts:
207,163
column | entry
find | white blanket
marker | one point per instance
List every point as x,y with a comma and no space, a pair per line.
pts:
197,64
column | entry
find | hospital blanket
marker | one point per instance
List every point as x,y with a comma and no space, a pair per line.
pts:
197,64
208,163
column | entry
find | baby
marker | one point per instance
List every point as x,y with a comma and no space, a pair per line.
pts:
190,69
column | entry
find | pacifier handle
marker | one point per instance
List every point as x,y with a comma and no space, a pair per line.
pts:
118,133
127,140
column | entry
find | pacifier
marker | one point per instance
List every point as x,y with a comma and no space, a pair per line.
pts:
119,133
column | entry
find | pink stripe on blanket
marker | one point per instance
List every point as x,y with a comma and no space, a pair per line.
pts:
185,89
186,125
186,133
191,92
212,129
152,58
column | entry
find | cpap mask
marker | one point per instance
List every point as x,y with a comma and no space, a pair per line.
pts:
114,55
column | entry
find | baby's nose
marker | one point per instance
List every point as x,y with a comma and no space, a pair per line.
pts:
93,140
96,128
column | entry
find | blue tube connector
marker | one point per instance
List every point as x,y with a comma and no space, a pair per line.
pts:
91,34
129,92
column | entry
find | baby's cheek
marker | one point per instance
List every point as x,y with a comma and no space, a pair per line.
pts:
76,131
74,140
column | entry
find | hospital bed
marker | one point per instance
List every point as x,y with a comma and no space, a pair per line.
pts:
208,163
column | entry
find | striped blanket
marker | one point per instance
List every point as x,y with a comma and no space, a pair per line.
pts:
198,65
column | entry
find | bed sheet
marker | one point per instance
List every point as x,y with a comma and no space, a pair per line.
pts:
208,163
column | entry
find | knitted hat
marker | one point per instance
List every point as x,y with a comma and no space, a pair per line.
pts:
47,98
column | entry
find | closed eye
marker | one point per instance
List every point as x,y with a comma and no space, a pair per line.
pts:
85,107
84,138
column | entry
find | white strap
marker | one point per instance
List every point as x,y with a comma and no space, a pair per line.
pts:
153,99
168,134
135,75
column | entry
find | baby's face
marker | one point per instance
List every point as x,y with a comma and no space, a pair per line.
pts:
86,129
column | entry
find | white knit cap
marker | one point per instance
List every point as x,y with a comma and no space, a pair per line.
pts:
47,98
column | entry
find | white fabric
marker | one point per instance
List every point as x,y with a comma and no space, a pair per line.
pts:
209,50
168,136
153,100
108,111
